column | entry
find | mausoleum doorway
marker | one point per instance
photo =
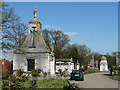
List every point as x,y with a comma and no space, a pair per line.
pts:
31,64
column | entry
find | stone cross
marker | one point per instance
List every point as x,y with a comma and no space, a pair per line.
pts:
33,32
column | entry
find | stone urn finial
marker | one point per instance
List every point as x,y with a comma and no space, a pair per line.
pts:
35,12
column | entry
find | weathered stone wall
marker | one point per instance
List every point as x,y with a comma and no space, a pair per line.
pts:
42,61
69,66
52,64
17,61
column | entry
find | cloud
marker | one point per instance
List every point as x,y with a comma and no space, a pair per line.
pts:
112,42
59,29
49,26
80,38
71,33
74,36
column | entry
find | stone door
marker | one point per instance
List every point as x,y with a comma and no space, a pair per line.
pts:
31,64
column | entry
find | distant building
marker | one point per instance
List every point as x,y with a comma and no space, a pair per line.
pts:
64,64
4,64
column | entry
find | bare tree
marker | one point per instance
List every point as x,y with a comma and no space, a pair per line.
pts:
56,41
13,32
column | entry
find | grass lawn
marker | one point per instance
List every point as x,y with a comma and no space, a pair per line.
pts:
45,83
52,83
115,77
5,78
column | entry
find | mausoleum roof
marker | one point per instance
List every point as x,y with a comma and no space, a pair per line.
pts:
34,21
63,60
103,57
34,41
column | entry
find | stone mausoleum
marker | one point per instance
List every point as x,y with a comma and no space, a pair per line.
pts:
34,53
64,64
103,64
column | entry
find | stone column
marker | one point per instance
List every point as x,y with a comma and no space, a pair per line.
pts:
97,65
92,69
117,59
93,61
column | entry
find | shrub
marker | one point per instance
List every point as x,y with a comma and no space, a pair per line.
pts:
5,84
28,84
35,73
19,72
45,74
83,69
60,71
115,68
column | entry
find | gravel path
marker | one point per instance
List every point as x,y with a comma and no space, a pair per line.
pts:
97,80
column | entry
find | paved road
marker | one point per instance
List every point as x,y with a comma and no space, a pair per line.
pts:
97,80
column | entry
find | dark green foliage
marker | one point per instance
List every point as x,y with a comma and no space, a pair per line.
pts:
19,72
14,82
110,60
35,73
116,68
45,74
65,73
60,71
79,53
74,54
28,84
52,83
83,69
5,84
